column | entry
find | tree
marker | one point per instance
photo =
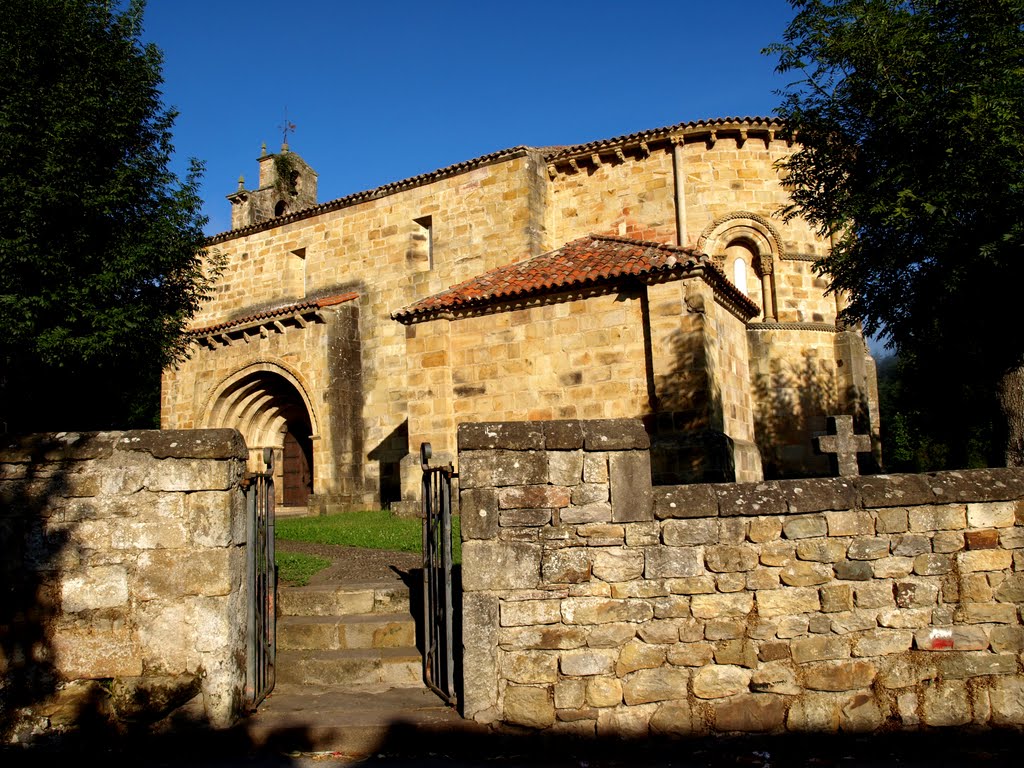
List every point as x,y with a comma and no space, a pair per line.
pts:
909,116
101,245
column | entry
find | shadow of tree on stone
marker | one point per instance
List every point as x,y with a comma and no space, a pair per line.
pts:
794,403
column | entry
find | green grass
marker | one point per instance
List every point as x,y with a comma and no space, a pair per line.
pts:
298,569
372,529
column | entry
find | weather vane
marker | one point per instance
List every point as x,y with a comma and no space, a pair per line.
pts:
286,128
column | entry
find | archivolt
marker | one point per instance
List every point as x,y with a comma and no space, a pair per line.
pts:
258,401
756,230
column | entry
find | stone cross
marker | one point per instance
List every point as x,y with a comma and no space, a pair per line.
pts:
843,445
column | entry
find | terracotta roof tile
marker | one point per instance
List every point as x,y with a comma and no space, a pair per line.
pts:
271,313
588,261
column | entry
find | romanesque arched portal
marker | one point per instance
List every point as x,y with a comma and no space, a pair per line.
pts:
268,405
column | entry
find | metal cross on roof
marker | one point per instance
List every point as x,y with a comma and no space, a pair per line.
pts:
843,445
286,128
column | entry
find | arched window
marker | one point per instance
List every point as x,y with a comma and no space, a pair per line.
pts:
739,274
280,208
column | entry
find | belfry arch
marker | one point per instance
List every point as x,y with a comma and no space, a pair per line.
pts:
270,407
749,239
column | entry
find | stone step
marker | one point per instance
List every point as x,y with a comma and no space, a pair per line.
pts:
342,600
350,667
356,721
365,630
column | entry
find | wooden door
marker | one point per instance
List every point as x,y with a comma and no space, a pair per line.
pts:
298,474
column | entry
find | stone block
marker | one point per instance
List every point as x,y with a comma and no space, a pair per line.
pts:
938,518
763,578
499,468
801,574
956,638
550,637
651,685
984,560
517,436
637,654
659,631
717,605
595,468
524,518
821,648
642,534
1011,589
947,541
529,706
583,663
630,480
776,553
565,468
850,522
750,713
818,494
673,562
693,585
874,595
603,692
962,665
787,601
945,703
519,613
987,539
933,564
892,567
730,558
87,651
590,493
95,588
671,607
993,514
691,655
868,548
775,678
895,520
860,713
1007,701
489,564
165,573
836,598
1007,639
877,491
905,618
911,545
478,513
590,513
615,435
839,675
724,629
740,651
529,667
854,570
684,501
882,642
613,635
859,620
805,527
566,566
674,718
639,588
563,435
533,497
570,693
989,613
626,723
814,713
681,533
822,550
731,582
752,499
720,680
618,564
762,529
598,610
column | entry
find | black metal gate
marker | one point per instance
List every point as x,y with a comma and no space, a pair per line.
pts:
262,634
438,661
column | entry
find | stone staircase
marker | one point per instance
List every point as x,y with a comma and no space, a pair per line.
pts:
349,672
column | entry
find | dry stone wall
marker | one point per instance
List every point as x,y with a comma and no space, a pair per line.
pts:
124,579
594,603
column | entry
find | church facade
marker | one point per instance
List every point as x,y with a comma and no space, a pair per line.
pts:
644,276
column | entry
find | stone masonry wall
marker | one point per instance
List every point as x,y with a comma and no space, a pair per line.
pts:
596,604
124,578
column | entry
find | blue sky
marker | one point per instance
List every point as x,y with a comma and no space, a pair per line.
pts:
382,91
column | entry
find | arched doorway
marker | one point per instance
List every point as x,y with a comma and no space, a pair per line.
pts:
268,407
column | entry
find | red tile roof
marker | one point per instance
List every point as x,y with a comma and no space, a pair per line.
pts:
589,261
281,311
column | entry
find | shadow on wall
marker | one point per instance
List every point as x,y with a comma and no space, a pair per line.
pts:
388,454
791,406
33,544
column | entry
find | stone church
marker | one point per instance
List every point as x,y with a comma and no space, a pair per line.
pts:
645,276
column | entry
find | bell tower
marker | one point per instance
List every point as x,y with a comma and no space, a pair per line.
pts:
286,184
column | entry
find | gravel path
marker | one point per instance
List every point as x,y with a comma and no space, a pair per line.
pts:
354,564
